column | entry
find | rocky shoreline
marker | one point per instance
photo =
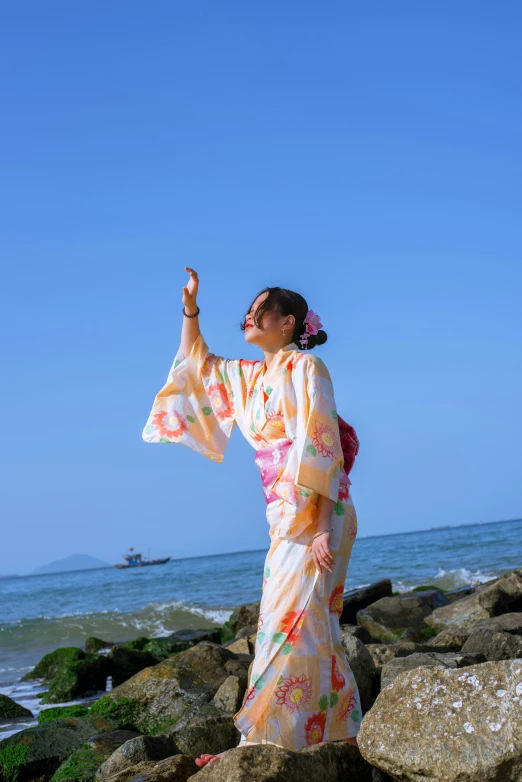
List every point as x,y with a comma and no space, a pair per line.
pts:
439,673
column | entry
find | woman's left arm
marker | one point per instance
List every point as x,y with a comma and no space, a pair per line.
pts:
321,543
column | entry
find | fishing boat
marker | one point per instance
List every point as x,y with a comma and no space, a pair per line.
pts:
135,560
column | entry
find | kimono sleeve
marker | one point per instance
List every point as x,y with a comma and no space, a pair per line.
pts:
319,452
196,406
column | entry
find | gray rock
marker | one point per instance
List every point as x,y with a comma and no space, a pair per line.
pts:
362,665
205,728
501,596
244,616
229,696
356,599
38,751
247,631
332,761
154,699
448,724
494,644
396,666
10,709
358,632
178,768
388,618
134,751
383,653
128,662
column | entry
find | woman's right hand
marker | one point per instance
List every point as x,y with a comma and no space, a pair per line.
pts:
190,292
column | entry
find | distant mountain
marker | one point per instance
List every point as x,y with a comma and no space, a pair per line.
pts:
73,562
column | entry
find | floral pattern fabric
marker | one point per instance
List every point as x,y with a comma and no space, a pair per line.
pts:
301,690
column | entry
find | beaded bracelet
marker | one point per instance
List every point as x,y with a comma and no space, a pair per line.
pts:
190,316
321,532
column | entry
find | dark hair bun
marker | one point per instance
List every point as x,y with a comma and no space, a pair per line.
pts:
317,339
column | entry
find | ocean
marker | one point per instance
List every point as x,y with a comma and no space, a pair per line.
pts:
40,613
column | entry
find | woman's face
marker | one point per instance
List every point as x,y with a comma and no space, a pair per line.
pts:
270,337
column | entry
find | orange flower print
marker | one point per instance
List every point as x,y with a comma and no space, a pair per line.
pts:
338,680
294,693
324,440
208,365
217,393
169,423
277,419
348,704
291,624
286,490
314,728
336,600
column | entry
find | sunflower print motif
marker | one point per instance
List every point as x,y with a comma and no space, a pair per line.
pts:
295,693
170,424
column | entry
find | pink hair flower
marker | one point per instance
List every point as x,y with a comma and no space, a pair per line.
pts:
312,323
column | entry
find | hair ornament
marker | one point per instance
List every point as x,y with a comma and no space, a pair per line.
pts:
312,324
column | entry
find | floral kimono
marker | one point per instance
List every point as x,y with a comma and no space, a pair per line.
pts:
301,690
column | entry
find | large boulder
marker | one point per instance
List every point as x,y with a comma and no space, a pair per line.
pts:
502,596
383,653
388,618
355,600
448,724
38,751
332,761
84,676
358,632
493,643
154,699
205,728
136,750
395,667
51,663
82,764
10,709
125,662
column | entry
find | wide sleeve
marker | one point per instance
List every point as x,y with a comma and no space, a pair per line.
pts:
319,453
197,405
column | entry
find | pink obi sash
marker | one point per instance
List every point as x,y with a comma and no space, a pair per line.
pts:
268,461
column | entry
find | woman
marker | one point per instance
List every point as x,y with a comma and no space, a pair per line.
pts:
301,690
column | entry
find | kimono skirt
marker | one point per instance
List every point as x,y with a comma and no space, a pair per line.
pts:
301,689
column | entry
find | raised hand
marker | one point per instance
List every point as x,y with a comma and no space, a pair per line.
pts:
190,291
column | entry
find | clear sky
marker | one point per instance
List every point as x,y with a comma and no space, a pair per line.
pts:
367,155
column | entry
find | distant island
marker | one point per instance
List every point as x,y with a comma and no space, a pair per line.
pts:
72,562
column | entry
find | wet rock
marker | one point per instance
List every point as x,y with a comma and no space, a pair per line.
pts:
59,712
38,751
136,750
85,675
396,666
388,618
333,761
362,665
154,699
10,709
93,644
502,596
448,724
493,643
125,662
82,764
244,616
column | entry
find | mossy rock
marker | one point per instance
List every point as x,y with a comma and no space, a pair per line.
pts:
138,644
56,712
38,751
10,709
93,644
426,586
428,632
82,764
84,675
131,714
161,648
227,633
51,663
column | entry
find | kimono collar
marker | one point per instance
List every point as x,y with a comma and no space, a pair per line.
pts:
278,358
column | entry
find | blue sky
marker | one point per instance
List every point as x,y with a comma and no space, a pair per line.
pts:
367,155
